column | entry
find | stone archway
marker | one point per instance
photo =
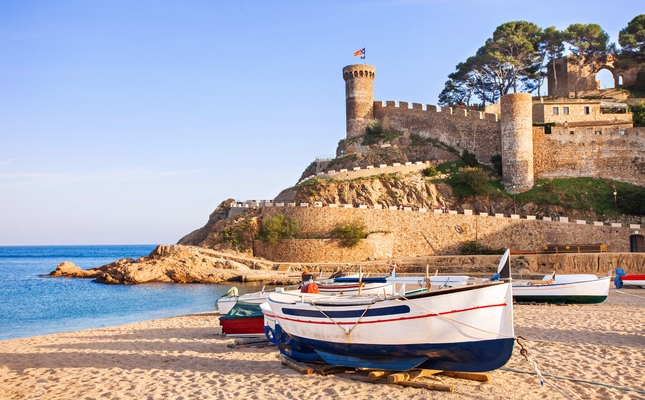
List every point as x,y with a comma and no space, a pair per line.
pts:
603,78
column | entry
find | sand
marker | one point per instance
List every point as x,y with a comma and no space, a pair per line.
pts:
187,358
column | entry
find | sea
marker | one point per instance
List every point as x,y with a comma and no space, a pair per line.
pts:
32,305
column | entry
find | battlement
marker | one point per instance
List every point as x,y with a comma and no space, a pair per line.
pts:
462,129
359,71
432,109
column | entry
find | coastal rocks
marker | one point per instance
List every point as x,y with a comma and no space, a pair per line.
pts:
172,264
70,270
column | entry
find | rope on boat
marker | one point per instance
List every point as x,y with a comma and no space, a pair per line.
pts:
626,389
629,294
347,332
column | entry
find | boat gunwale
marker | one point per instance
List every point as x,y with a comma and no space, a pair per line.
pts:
371,299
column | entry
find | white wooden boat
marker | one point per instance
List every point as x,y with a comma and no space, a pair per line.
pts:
225,304
563,289
464,328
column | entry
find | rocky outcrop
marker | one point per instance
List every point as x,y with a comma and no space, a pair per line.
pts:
175,264
70,270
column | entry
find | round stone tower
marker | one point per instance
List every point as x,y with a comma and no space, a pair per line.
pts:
359,97
517,142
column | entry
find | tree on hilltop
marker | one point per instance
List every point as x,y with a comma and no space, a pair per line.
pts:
632,39
550,48
508,60
588,43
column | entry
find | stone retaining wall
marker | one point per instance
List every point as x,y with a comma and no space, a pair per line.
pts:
416,234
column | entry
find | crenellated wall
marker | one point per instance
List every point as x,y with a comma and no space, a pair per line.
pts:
477,132
408,234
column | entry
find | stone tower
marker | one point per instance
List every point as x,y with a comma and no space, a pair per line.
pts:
359,97
517,142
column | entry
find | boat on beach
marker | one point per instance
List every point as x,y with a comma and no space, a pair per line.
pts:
225,304
633,280
563,289
462,328
243,320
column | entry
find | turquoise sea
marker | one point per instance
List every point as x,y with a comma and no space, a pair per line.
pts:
31,305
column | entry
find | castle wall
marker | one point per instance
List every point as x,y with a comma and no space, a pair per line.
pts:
427,234
477,132
611,155
567,71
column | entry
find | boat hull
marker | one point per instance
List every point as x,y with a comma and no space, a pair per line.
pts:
585,292
467,328
633,280
243,326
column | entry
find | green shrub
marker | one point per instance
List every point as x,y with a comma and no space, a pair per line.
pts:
475,178
638,113
430,171
350,233
374,127
469,159
630,200
474,248
278,227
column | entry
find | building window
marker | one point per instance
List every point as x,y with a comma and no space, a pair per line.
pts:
572,132
598,132
587,110
556,111
565,110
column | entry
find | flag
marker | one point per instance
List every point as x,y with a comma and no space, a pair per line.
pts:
360,53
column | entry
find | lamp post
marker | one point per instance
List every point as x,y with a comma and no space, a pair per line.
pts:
615,205
514,204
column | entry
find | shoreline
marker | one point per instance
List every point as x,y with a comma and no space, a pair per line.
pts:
187,357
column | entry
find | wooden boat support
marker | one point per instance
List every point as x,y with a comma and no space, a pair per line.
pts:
401,378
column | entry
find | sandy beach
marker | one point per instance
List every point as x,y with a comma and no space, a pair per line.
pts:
187,358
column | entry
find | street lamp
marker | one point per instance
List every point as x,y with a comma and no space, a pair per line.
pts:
615,205
514,204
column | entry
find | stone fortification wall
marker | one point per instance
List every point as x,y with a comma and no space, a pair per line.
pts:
477,132
517,142
407,233
611,155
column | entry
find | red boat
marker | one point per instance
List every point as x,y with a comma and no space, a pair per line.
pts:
244,319
633,280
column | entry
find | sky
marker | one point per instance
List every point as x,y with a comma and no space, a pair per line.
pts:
129,122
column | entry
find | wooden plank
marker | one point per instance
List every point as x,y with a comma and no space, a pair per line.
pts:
420,385
333,370
429,386
406,376
468,375
376,375
296,365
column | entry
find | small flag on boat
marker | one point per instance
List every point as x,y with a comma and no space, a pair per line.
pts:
360,53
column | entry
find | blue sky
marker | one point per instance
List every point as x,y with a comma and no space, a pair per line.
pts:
130,121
